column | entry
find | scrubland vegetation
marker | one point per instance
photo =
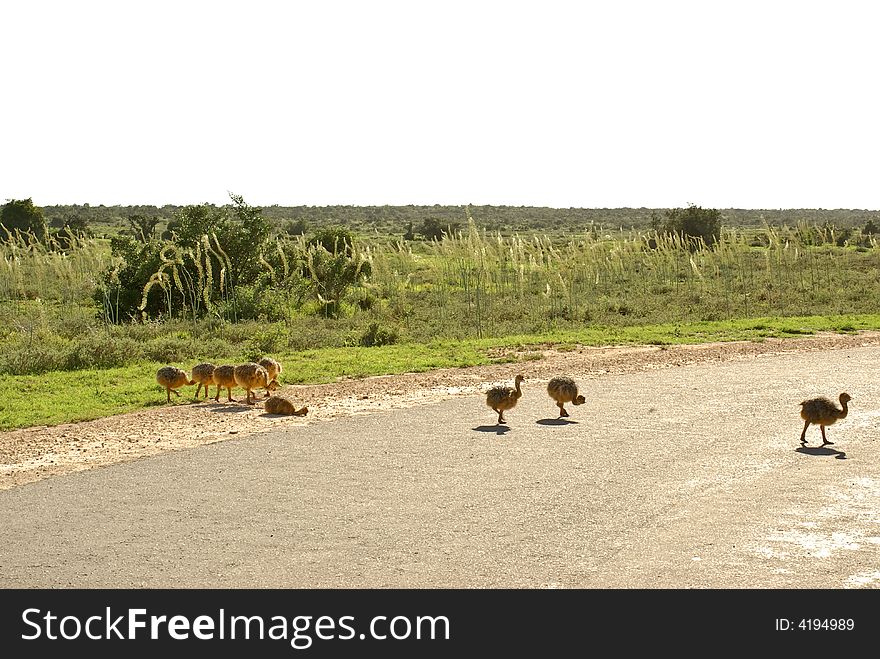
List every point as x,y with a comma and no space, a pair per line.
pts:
228,284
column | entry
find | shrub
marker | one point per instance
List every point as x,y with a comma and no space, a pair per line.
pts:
261,303
334,239
434,229
692,222
207,255
103,350
22,215
332,274
367,302
378,336
266,341
76,322
172,348
121,288
296,227
36,354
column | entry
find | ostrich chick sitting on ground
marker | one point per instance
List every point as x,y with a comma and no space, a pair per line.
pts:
280,405
564,390
822,412
504,398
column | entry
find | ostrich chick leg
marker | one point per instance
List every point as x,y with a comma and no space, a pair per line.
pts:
804,433
824,440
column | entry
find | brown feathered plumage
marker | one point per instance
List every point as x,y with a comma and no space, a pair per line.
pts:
273,368
564,390
504,398
224,378
203,375
172,378
251,376
280,405
823,412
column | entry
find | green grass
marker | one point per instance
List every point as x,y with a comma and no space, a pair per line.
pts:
66,396
63,396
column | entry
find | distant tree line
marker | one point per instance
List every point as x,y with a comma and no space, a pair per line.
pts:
415,222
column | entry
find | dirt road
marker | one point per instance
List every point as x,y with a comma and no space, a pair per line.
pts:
682,470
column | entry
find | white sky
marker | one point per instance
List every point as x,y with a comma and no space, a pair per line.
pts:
767,104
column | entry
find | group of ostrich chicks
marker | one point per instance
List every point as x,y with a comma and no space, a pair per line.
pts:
263,375
249,376
561,389
819,411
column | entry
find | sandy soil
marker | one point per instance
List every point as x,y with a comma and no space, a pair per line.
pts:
34,454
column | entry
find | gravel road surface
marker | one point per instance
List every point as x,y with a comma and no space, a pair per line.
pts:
682,477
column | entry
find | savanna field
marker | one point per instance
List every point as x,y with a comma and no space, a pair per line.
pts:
90,311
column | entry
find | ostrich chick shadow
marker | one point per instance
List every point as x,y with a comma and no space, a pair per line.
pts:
229,408
821,450
561,421
498,429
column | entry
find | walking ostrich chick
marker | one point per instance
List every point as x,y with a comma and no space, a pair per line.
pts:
272,366
822,412
172,378
203,374
224,378
503,398
252,376
564,390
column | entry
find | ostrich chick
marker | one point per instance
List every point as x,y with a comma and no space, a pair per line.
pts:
564,390
172,379
253,376
203,374
273,367
279,405
504,398
822,412
224,378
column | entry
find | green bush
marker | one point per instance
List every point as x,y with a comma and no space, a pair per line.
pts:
692,223
333,274
334,239
434,229
21,215
40,353
121,288
76,322
175,347
378,336
268,340
261,303
101,349
208,254
367,301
